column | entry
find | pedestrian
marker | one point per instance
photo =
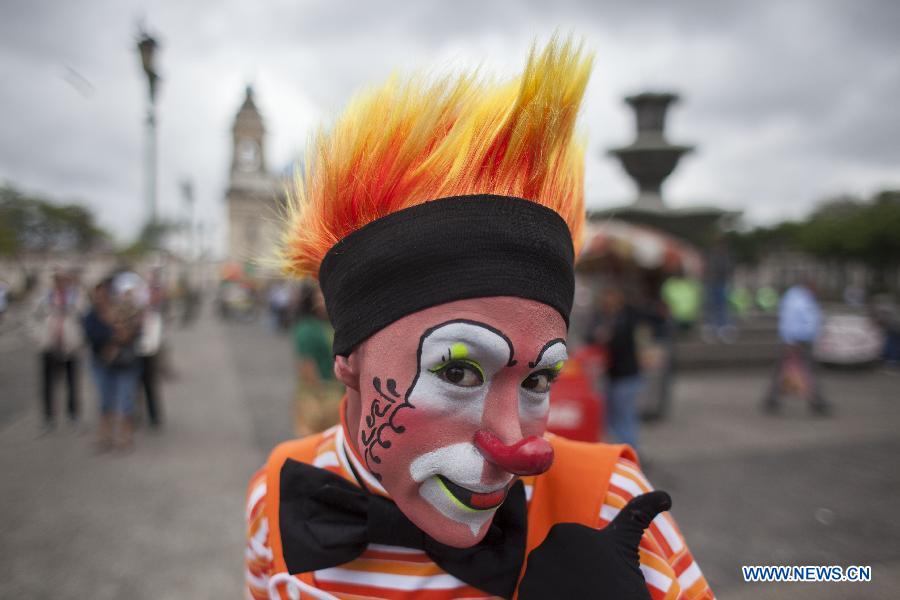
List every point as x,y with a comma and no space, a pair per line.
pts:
886,314
799,321
58,329
279,305
683,295
318,392
766,298
717,282
149,353
121,360
98,331
4,298
190,298
614,329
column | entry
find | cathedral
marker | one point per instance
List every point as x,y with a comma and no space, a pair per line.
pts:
254,197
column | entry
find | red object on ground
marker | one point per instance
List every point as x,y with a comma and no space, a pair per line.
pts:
577,410
529,456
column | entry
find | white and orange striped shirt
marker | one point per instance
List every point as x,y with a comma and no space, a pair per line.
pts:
403,574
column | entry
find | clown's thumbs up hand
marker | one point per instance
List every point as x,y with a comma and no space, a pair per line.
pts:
575,561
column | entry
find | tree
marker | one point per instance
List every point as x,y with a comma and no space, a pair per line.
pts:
151,237
751,246
868,232
33,224
841,230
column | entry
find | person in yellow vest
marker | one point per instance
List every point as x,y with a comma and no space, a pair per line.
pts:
441,219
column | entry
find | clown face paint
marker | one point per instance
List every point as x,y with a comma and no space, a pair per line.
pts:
432,380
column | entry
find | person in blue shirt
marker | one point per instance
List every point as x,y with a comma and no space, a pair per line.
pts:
799,321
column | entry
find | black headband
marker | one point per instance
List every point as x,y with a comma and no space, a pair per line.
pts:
445,250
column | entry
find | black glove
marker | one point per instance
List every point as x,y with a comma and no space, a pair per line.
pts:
575,561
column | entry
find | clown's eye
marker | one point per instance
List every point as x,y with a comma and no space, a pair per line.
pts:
540,381
460,373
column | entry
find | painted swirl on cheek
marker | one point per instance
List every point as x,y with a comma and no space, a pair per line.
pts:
380,421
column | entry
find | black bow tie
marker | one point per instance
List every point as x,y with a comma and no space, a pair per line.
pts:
326,521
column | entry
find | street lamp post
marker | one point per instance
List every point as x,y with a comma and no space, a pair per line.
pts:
147,47
187,196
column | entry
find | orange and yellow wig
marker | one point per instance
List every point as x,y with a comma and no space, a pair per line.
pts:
413,141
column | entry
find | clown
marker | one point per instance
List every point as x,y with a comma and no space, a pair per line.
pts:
441,220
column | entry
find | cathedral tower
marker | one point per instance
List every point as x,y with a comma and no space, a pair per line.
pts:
252,194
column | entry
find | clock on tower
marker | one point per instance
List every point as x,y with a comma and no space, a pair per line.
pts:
247,155
249,133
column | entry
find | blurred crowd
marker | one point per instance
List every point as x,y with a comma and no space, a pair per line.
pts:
114,328
625,345
624,348
638,322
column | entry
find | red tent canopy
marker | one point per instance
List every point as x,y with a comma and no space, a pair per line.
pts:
642,246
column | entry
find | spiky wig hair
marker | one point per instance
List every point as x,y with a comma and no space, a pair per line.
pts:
412,141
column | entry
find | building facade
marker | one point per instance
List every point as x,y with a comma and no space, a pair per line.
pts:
254,196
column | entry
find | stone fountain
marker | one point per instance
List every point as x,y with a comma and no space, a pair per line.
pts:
649,160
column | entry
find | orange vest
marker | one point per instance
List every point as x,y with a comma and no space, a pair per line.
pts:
572,491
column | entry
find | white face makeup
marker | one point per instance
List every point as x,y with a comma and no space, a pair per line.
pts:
459,363
462,348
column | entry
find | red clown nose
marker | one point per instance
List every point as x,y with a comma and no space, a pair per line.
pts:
529,456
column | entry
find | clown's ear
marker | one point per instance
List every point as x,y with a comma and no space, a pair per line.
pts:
347,371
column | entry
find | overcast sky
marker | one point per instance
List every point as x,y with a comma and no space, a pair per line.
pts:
787,102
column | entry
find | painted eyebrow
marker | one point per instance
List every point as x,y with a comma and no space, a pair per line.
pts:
532,364
494,330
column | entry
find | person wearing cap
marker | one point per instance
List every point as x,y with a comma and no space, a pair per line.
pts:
441,220
123,318
56,319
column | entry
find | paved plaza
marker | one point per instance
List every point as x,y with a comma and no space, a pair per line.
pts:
166,521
